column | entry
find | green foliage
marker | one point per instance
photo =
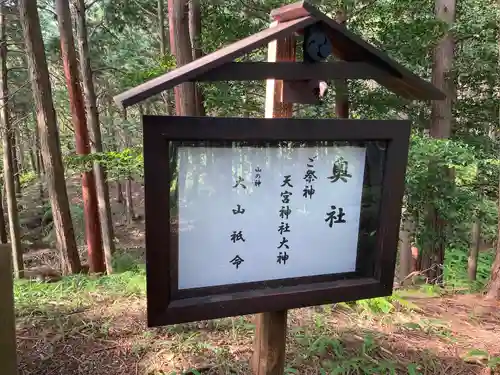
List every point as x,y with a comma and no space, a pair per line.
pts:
482,356
33,297
27,178
455,270
123,164
457,200
127,261
335,358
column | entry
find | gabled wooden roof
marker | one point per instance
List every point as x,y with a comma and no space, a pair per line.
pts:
294,18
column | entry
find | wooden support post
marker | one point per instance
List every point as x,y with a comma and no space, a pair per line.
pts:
270,332
8,357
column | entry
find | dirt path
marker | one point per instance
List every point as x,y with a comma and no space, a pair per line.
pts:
110,338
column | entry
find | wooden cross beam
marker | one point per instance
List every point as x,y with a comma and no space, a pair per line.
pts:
292,71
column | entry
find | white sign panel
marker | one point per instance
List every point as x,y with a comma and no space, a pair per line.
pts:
251,214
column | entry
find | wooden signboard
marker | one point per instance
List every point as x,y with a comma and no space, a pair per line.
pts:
263,215
256,215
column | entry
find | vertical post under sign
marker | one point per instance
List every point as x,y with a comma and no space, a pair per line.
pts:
271,327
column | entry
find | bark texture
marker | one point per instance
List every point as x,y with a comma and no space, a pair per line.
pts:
474,249
8,355
196,43
494,285
129,202
180,46
432,256
89,194
405,255
166,95
8,162
102,187
341,85
3,231
15,162
49,136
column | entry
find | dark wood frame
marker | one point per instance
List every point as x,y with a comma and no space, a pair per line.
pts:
168,305
292,71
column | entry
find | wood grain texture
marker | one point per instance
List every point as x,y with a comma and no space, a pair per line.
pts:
8,357
292,71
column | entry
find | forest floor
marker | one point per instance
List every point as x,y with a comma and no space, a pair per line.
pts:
89,325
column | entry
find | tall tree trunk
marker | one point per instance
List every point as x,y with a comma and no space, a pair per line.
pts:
119,193
432,256
93,119
161,26
49,136
180,45
166,95
20,147
40,171
32,157
196,43
90,207
441,112
405,255
341,85
15,164
3,231
116,147
494,285
129,202
8,168
474,249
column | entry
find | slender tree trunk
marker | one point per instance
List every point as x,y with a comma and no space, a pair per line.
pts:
166,95
161,26
196,43
341,85
33,161
49,136
129,202
474,249
119,193
116,147
15,164
180,45
441,110
90,206
93,119
3,231
405,256
21,148
494,285
8,165
39,164
432,256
